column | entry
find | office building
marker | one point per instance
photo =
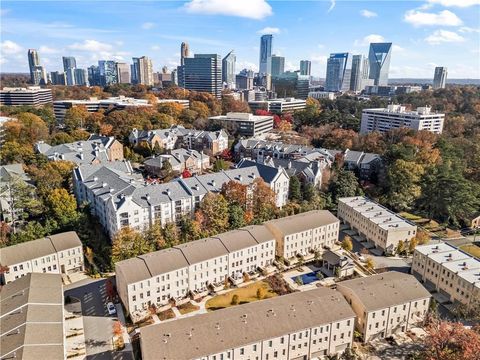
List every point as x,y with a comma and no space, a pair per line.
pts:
69,62
70,76
58,78
360,71
278,106
245,124
386,304
32,318
228,70
55,254
81,77
266,54
339,68
244,80
322,95
278,65
107,72
184,53
94,75
33,61
142,71
123,73
305,67
40,75
397,116
440,77
304,325
33,96
379,60
203,72
376,225
452,273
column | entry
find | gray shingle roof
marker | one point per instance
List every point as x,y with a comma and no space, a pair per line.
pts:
202,250
304,221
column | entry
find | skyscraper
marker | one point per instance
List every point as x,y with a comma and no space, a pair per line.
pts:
339,68
81,77
278,65
33,60
39,75
379,59
440,77
244,79
228,69
93,75
184,52
266,54
359,73
203,72
108,72
69,62
70,76
142,71
305,67
123,73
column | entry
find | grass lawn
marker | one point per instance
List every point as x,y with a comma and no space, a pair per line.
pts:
409,216
245,295
187,308
165,315
472,249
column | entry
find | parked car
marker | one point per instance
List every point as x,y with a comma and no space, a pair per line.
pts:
111,309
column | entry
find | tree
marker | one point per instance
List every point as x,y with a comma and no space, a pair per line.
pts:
220,165
236,216
62,207
235,193
170,108
170,234
128,243
75,117
214,213
154,235
27,128
263,202
261,292
200,108
235,300
422,237
14,152
412,245
370,264
294,191
344,184
347,243
189,229
400,247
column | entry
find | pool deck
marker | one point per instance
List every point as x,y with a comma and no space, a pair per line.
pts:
306,269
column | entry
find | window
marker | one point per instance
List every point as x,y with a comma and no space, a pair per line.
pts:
242,351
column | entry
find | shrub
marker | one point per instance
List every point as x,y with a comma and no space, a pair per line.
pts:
234,300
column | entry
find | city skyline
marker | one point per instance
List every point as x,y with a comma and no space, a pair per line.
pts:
90,36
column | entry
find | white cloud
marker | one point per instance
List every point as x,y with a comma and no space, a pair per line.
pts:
269,30
397,49
253,9
332,5
466,29
368,13
148,25
243,64
442,36
443,18
91,45
155,47
456,3
10,48
47,50
372,38
320,46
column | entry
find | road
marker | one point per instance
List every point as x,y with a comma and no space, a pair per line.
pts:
96,321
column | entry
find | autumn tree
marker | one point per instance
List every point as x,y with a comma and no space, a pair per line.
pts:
347,243
170,108
27,128
154,235
214,214
263,201
128,243
170,234
75,117
200,108
235,193
62,207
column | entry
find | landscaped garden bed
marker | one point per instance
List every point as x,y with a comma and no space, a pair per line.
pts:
187,308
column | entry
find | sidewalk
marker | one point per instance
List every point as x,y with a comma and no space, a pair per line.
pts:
126,338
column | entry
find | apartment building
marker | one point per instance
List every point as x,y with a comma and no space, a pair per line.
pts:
374,223
397,116
120,198
97,149
278,106
60,107
305,233
454,274
180,159
32,318
386,303
245,124
32,96
55,254
303,325
193,268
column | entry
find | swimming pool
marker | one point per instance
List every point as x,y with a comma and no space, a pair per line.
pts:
308,278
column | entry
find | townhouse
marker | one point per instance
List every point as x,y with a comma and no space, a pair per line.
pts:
56,254
386,303
374,223
304,234
120,198
97,149
454,274
180,159
303,325
193,268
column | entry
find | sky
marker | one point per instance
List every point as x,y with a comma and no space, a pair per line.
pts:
425,33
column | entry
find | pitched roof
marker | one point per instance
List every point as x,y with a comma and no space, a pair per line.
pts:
236,240
385,289
259,232
202,250
301,222
202,335
268,173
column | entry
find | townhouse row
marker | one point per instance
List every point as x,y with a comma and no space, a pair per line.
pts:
202,265
313,324
120,198
55,254
377,225
452,273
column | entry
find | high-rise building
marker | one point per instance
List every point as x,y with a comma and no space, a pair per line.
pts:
360,70
93,75
58,78
184,52
278,65
339,68
108,72
81,77
203,72
440,77
379,59
228,70
244,79
123,73
142,71
33,61
69,62
39,75
266,54
70,76
305,67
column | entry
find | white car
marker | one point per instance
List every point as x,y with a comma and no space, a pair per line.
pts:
111,309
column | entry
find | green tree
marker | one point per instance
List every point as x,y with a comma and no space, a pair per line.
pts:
403,178
32,231
62,207
400,247
128,243
294,191
170,234
75,117
344,184
154,235
189,229
220,165
236,216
